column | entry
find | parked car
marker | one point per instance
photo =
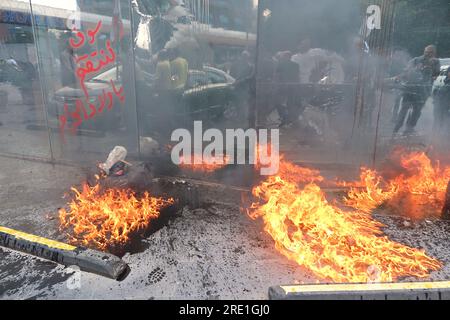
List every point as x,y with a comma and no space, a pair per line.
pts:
95,87
208,92
19,74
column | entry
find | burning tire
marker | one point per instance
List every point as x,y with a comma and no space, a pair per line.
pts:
446,210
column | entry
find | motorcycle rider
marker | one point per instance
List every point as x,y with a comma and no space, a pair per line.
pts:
417,79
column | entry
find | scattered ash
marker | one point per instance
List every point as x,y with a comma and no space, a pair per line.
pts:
24,276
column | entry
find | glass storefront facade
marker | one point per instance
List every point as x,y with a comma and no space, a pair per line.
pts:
80,77
363,77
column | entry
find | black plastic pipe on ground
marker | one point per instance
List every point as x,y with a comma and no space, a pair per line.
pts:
87,260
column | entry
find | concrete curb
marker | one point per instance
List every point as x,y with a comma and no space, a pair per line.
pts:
439,290
88,260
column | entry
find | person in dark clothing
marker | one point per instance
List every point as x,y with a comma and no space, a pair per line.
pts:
288,104
243,70
242,67
67,61
266,67
399,62
287,71
417,82
264,83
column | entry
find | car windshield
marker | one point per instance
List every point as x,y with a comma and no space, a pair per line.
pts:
197,78
215,78
218,76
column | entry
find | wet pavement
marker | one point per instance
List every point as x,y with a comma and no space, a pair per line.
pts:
216,252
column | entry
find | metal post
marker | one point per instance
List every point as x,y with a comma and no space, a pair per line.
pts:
253,120
133,76
43,83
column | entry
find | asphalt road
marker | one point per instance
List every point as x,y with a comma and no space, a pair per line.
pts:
215,252
211,253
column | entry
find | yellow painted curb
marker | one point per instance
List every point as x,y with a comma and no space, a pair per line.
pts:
32,238
88,260
439,290
366,287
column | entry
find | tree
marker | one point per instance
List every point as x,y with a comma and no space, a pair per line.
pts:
422,22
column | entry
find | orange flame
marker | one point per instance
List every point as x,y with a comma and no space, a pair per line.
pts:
372,195
418,191
107,219
336,245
